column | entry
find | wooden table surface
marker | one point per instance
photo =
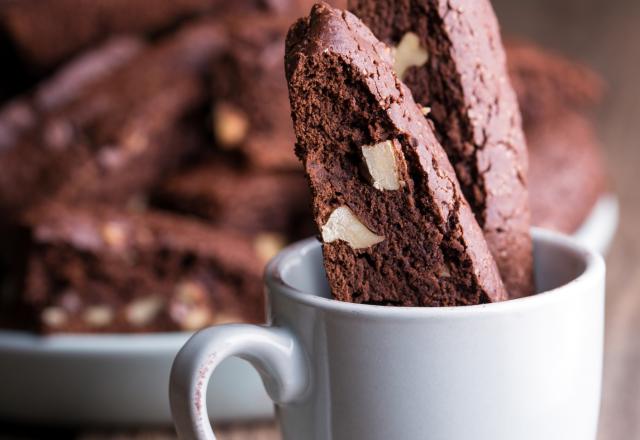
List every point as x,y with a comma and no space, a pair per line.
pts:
605,35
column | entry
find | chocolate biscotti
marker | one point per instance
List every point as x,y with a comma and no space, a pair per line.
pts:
251,105
557,97
46,32
566,172
395,225
548,84
113,137
254,202
450,55
99,269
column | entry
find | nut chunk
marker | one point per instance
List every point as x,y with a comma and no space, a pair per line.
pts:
381,164
396,228
344,225
409,53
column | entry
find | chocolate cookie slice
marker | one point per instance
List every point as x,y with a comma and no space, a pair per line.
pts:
566,169
251,111
46,32
250,201
566,172
395,225
116,134
548,84
94,268
450,55
251,106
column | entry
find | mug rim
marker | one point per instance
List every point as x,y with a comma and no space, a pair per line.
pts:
594,270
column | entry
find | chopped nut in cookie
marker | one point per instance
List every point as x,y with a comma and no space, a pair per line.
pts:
268,244
114,235
98,316
409,53
144,310
190,307
230,125
136,141
54,316
226,318
195,319
344,225
381,164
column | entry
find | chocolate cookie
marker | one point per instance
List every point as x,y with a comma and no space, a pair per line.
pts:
251,112
100,269
249,201
395,225
251,106
565,172
566,168
114,136
46,32
22,114
450,55
548,84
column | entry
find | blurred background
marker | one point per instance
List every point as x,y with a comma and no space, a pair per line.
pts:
606,36
147,170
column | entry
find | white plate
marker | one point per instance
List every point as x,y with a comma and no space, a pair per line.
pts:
111,380
123,379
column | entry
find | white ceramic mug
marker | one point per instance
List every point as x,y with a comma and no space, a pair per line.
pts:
525,369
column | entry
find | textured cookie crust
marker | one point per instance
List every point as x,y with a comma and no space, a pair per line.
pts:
464,82
413,243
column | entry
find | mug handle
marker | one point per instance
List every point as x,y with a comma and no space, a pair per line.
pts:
273,351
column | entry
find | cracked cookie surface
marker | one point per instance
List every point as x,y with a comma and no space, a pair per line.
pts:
412,241
475,113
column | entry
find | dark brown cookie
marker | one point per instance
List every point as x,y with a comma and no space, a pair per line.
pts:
249,201
566,168
251,106
566,174
46,32
116,135
395,225
450,55
100,269
251,112
548,84
43,33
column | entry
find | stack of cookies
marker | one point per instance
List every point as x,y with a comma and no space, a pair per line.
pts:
148,168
